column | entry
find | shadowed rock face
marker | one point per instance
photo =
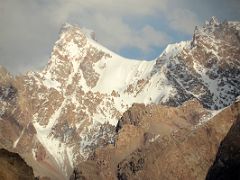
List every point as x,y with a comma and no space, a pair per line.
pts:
12,166
8,93
227,162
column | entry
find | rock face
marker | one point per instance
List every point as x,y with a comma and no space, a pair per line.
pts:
12,166
205,70
57,117
166,143
227,162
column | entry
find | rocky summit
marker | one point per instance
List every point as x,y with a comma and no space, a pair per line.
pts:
92,114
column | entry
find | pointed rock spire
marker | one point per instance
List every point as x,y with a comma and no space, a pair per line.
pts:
213,21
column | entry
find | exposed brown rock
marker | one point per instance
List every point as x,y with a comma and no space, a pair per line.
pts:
12,166
157,142
227,162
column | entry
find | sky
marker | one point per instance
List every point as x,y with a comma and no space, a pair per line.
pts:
138,29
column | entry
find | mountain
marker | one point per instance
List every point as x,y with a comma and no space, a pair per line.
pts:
57,117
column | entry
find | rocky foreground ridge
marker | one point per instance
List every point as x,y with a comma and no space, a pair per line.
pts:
12,166
159,142
71,113
227,162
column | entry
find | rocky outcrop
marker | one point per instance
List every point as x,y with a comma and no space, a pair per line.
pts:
227,162
205,70
166,143
12,166
157,142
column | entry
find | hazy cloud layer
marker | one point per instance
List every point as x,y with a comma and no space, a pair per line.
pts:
29,28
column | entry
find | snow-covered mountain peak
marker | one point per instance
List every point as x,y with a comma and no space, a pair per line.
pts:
65,27
173,49
213,21
214,26
73,104
69,28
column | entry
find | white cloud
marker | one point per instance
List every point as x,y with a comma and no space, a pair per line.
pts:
183,20
116,34
29,27
117,7
106,19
